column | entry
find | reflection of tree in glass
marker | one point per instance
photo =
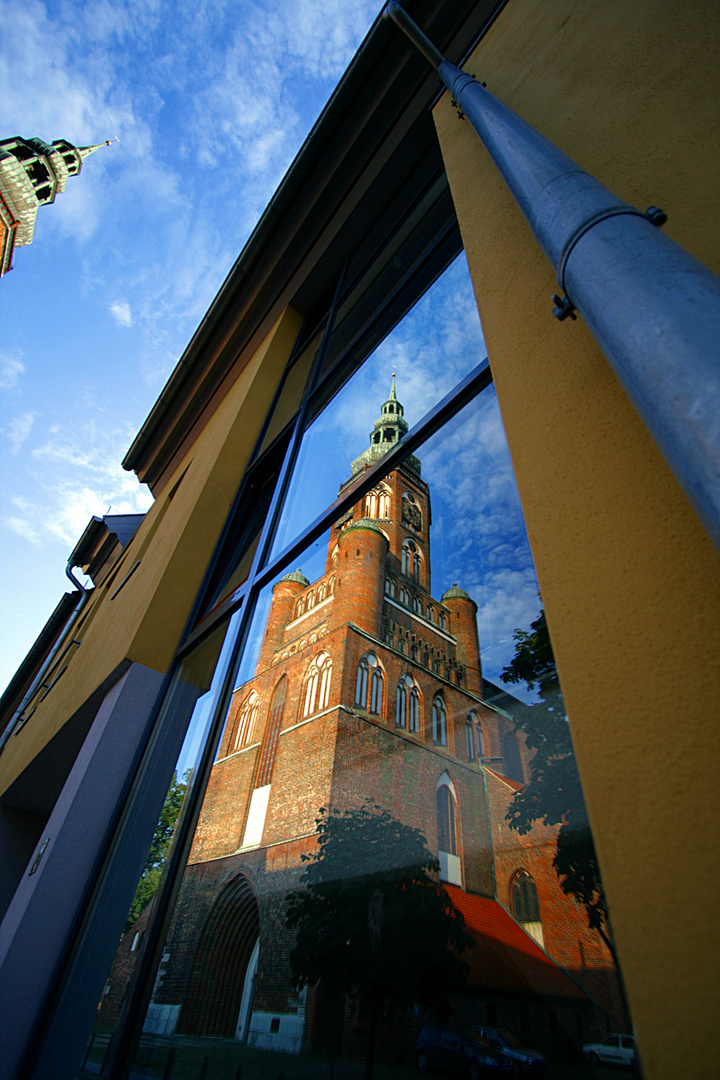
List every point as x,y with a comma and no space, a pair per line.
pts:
373,921
554,793
150,877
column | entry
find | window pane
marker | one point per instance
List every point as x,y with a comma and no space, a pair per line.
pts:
434,346
340,849
188,706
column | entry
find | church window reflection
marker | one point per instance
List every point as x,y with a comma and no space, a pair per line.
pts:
439,720
317,690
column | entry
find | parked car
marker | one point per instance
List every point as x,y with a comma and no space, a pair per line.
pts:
615,1049
462,1052
526,1062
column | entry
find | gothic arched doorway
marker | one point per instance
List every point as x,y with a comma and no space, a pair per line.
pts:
225,951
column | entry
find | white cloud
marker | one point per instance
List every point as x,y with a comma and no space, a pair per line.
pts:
121,313
18,430
11,368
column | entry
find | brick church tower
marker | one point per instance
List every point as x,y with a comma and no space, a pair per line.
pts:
366,686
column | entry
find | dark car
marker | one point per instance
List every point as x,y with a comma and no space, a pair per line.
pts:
462,1052
526,1062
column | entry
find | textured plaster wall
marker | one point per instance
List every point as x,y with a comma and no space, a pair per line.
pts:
628,576
174,544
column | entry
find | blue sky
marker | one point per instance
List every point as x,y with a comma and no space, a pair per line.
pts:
210,100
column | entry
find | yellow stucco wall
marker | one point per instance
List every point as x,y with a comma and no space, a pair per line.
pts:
630,581
174,543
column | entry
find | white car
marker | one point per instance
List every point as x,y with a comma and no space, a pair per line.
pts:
613,1050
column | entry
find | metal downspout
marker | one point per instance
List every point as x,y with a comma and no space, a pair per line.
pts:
653,308
49,659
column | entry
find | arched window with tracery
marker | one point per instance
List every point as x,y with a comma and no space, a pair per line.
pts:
448,832
401,704
247,720
317,689
300,607
376,691
404,596
442,621
369,677
439,721
525,905
390,586
322,591
470,733
331,585
411,561
377,503
361,683
431,613
414,711
417,605
272,733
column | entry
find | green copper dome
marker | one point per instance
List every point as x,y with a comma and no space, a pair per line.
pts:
455,594
365,523
295,575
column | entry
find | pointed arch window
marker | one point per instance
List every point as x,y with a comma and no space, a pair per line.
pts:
411,561
390,586
475,739
417,605
369,676
322,591
404,596
384,503
439,721
525,905
376,692
300,607
447,831
470,733
272,733
310,600
431,613
401,704
361,683
247,720
442,621
317,689
414,711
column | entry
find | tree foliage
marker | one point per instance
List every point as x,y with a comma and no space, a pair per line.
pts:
554,792
162,837
373,921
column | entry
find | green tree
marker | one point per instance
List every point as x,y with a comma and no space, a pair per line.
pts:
373,921
554,792
150,877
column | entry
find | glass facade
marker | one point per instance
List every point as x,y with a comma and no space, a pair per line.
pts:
377,818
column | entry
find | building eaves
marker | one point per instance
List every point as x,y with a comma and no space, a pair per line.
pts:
386,92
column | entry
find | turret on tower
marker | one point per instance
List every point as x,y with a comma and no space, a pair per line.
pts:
32,173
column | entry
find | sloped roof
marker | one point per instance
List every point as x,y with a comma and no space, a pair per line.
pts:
504,956
505,779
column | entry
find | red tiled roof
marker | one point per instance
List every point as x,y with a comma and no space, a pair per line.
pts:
506,780
504,955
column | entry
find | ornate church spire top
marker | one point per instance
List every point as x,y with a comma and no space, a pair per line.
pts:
32,174
388,429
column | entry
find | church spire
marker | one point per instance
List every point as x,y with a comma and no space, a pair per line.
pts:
86,151
32,174
390,427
